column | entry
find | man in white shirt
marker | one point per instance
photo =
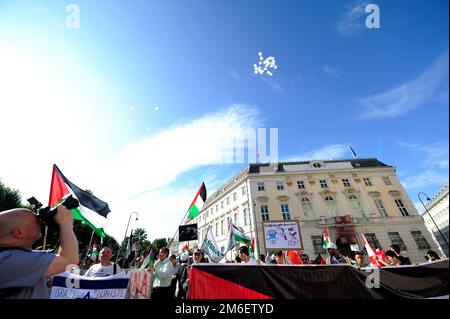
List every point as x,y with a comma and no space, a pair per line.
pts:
245,258
105,268
163,269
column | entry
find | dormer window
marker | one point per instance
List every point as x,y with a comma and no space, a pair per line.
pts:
316,164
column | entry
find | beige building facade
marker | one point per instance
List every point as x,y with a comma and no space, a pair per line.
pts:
349,197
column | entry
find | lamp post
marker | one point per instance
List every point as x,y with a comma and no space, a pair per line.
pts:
126,231
426,209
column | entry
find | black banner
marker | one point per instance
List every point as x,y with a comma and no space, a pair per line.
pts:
236,281
187,232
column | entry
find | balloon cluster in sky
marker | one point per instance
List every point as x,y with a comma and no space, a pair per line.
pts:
268,63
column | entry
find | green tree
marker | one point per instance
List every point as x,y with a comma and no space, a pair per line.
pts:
9,198
159,243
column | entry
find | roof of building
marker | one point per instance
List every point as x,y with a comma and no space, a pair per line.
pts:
356,163
254,168
438,196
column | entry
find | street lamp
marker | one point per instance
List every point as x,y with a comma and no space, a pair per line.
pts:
426,209
126,231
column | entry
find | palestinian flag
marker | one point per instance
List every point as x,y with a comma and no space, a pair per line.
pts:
184,249
252,248
234,236
92,211
95,252
325,238
198,202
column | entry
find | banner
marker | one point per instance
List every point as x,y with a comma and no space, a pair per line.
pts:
187,232
345,230
210,247
140,286
235,281
282,235
70,286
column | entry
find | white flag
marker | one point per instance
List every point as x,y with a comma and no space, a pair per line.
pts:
210,247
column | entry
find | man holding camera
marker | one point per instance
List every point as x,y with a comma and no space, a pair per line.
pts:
23,272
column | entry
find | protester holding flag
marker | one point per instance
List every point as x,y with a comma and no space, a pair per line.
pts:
245,256
23,272
393,258
106,267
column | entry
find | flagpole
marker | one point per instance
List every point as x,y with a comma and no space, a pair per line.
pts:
45,238
90,242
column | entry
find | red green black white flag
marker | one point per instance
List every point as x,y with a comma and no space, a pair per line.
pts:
91,211
198,202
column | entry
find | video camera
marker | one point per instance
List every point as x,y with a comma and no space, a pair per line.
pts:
46,214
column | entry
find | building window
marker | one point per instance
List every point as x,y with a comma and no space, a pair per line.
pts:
381,209
318,244
265,212
221,227
331,205
367,181
401,207
420,240
355,205
245,217
244,191
217,229
323,183
306,207
221,204
372,240
280,186
346,182
285,212
387,180
234,196
236,217
301,184
261,186
228,200
317,165
397,240
217,208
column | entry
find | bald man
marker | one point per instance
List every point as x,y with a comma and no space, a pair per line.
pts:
23,272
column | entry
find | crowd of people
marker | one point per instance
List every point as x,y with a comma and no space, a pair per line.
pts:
24,273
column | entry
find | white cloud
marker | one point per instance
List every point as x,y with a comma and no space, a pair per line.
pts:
156,108
352,22
140,178
407,97
334,151
434,167
51,116
331,71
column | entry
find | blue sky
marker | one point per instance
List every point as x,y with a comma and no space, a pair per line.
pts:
142,84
